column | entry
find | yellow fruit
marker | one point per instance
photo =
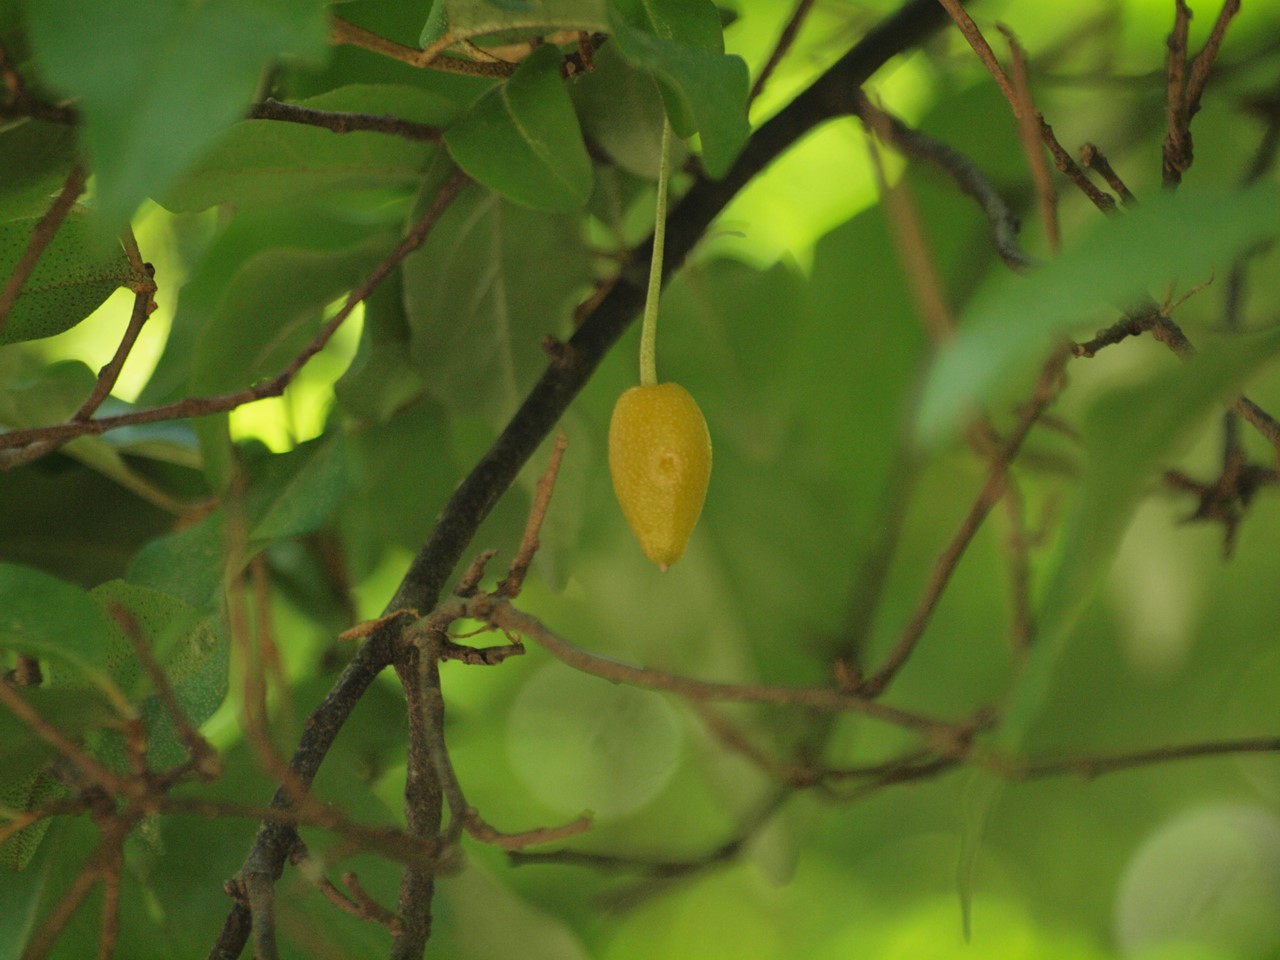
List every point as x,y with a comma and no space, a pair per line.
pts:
660,461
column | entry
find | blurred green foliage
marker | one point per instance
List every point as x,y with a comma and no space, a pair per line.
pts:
841,474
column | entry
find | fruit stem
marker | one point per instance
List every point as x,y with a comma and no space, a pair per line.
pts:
649,326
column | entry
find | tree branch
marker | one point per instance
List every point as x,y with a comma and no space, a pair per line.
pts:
550,397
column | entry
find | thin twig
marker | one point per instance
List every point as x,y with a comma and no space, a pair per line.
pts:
1029,134
785,39
349,33
110,373
1202,63
1186,82
42,235
112,865
482,831
340,121
920,146
44,938
514,580
1062,160
203,755
500,613
369,908
274,387
1022,620
913,252
11,700
1177,143
1095,159
1095,766
1046,391
978,42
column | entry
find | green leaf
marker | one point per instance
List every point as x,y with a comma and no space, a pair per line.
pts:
1181,236
191,648
405,472
705,89
30,790
451,21
272,162
621,111
55,621
523,140
70,280
188,564
36,158
250,234
491,280
73,522
158,82
1127,434
293,493
270,311
381,379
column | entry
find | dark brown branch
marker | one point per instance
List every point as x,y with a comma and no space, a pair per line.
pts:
1202,63
343,122
1177,143
533,422
418,670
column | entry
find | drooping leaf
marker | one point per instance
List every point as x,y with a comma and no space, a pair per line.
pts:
522,139
621,111
70,280
705,89
1181,236
157,83
271,162
488,284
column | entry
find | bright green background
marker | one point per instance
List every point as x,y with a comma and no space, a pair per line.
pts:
794,327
